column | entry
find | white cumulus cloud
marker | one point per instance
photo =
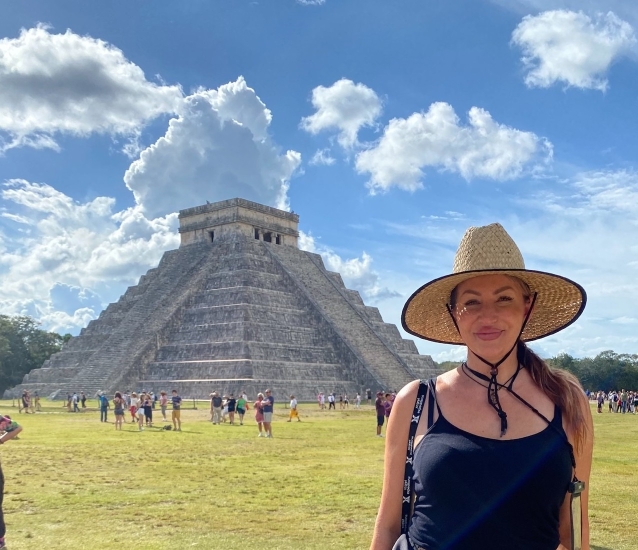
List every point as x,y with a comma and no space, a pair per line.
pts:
217,148
345,107
481,149
67,83
572,47
62,261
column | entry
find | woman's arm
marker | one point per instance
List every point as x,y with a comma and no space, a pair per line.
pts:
583,457
6,436
388,525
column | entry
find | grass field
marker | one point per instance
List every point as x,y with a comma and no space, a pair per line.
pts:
75,483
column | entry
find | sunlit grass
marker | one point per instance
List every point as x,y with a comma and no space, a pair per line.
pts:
73,482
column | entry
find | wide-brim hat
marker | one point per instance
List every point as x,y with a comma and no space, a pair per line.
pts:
489,250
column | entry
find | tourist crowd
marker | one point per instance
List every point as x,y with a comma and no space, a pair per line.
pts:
618,401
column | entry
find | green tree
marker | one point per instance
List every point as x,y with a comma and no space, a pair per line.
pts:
23,347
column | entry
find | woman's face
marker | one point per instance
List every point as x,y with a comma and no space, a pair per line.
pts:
489,311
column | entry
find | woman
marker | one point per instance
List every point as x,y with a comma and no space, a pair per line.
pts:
259,413
25,402
135,402
494,469
163,401
242,406
118,406
224,408
140,411
147,403
231,403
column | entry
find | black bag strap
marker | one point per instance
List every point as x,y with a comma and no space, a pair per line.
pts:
425,386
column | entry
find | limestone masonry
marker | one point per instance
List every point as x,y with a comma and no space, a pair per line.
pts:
237,307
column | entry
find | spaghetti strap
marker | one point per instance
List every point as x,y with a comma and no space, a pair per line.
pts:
432,400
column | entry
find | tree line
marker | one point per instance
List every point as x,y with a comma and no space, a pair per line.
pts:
23,347
607,371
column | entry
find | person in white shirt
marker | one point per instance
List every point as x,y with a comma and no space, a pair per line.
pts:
294,413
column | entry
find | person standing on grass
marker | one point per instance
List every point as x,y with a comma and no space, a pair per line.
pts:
331,401
600,400
24,400
369,396
83,399
294,413
216,404
148,409
9,430
623,401
346,401
134,406
104,406
36,396
268,407
231,403
118,410
380,408
176,401
140,412
224,408
163,401
610,402
387,407
242,407
357,402
259,413
75,399
322,401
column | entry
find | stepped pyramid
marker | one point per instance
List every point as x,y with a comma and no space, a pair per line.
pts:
236,307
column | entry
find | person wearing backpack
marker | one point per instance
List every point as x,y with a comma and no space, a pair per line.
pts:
104,406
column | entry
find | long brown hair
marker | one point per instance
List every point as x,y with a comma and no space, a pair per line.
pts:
562,387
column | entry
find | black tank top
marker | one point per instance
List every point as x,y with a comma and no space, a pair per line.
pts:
476,493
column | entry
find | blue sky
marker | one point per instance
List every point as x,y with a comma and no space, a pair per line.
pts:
389,127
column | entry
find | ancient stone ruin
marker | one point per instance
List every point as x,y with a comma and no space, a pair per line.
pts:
237,307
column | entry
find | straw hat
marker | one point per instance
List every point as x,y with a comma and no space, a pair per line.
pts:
485,251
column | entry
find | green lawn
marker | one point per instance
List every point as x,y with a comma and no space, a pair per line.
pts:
73,482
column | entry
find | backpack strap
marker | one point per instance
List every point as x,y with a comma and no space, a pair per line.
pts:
408,478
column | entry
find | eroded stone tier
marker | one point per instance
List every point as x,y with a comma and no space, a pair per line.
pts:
232,311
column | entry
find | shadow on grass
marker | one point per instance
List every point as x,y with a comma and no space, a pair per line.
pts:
600,548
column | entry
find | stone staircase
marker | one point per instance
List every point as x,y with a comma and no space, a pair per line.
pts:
351,319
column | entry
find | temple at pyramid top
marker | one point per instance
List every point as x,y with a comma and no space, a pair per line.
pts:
221,220
238,307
